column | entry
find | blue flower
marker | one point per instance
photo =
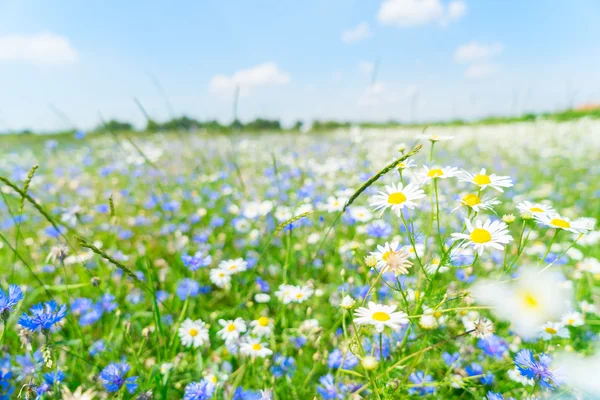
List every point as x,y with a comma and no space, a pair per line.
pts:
9,300
44,316
113,378
199,391
539,370
187,287
283,366
6,389
379,229
419,377
493,346
198,260
336,358
97,347
450,359
328,388
54,377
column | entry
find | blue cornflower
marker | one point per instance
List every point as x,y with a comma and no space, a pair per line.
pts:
54,377
44,316
336,358
92,315
450,359
8,300
113,378
493,346
379,229
263,285
199,390
198,260
371,346
97,347
187,287
475,369
539,370
6,389
283,366
496,396
328,388
419,378
108,302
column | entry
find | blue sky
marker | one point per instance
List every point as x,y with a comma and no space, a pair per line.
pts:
438,59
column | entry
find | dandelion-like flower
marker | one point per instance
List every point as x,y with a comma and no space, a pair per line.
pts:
392,258
396,197
380,316
483,328
484,234
43,316
483,180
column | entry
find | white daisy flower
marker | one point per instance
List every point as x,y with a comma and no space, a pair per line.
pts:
193,333
477,203
254,348
573,318
220,277
407,164
392,258
587,307
380,316
300,294
529,208
483,180
483,235
516,376
397,197
360,214
435,138
231,329
233,266
262,326
335,204
558,222
526,302
553,330
410,250
262,297
347,302
438,173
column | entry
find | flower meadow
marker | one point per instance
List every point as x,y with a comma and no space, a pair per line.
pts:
365,264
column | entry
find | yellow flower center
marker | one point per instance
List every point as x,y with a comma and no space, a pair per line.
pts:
396,198
386,256
570,321
193,332
232,267
263,321
231,327
256,346
536,209
434,173
299,295
401,165
471,200
437,314
482,179
529,300
561,223
551,330
480,236
381,316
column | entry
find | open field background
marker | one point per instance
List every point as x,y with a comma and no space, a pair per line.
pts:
118,215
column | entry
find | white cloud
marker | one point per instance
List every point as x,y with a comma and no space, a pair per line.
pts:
407,13
473,51
266,74
39,48
360,32
366,67
481,70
